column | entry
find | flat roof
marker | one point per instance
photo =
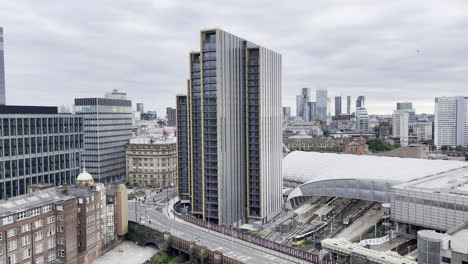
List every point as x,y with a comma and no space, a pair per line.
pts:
306,167
27,109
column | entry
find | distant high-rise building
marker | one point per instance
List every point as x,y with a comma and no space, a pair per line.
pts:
338,105
313,111
362,119
234,126
401,126
322,104
140,107
361,101
286,112
451,121
302,104
348,105
408,106
107,129
422,129
171,116
38,145
2,70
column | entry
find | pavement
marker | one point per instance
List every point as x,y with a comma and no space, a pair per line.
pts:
127,253
164,220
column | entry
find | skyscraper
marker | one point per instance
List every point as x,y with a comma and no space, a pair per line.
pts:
362,119
408,106
286,112
2,71
108,129
302,104
322,104
451,121
313,111
348,105
140,107
360,101
234,128
338,104
401,126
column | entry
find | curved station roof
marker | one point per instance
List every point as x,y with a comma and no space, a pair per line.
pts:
357,177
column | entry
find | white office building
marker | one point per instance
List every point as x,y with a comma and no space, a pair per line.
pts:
451,121
362,119
401,126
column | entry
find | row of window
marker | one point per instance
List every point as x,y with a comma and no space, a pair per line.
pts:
33,126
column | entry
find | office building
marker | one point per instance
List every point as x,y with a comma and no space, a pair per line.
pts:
338,104
303,105
361,101
2,70
234,124
401,126
362,119
183,146
286,112
408,106
107,130
68,224
171,116
140,107
151,161
348,105
38,144
450,121
322,104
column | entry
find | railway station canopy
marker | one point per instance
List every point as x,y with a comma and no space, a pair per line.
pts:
357,177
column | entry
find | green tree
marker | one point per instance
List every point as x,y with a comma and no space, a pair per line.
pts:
377,145
444,148
326,132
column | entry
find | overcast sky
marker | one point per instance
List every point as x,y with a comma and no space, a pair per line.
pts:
386,50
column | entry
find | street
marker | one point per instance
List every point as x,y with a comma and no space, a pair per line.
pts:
162,222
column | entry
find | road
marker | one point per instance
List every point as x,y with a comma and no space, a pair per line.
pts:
161,221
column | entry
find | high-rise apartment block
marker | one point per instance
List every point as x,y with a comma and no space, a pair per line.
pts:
338,104
322,104
408,106
171,116
362,119
38,145
234,131
2,70
107,130
401,126
451,121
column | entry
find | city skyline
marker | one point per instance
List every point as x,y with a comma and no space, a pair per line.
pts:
404,62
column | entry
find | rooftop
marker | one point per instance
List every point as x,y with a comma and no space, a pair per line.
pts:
27,109
305,167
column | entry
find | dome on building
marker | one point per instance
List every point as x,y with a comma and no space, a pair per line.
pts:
84,176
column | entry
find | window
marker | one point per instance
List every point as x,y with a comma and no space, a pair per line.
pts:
26,253
60,217
80,201
51,243
39,260
38,249
50,231
11,233
12,245
59,207
50,219
21,216
35,211
62,253
1,251
47,208
25,228
12,259
61,241
26,240
446,260
38,223
110,229
52,256
7,220
60,228
38,235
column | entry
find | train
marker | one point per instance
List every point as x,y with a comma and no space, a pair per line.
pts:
351,218
300,239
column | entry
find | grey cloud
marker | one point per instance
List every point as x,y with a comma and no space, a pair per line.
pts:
58,50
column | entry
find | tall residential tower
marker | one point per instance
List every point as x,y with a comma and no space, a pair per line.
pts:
322,104
451,121
2,71
231,171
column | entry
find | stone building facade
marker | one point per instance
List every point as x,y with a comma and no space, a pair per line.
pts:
152,162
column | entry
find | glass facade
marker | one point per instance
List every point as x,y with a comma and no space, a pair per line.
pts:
36,148
196,132
183,170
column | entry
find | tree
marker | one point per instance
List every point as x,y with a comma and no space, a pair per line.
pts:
377,145
326,132
460,148
444,148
